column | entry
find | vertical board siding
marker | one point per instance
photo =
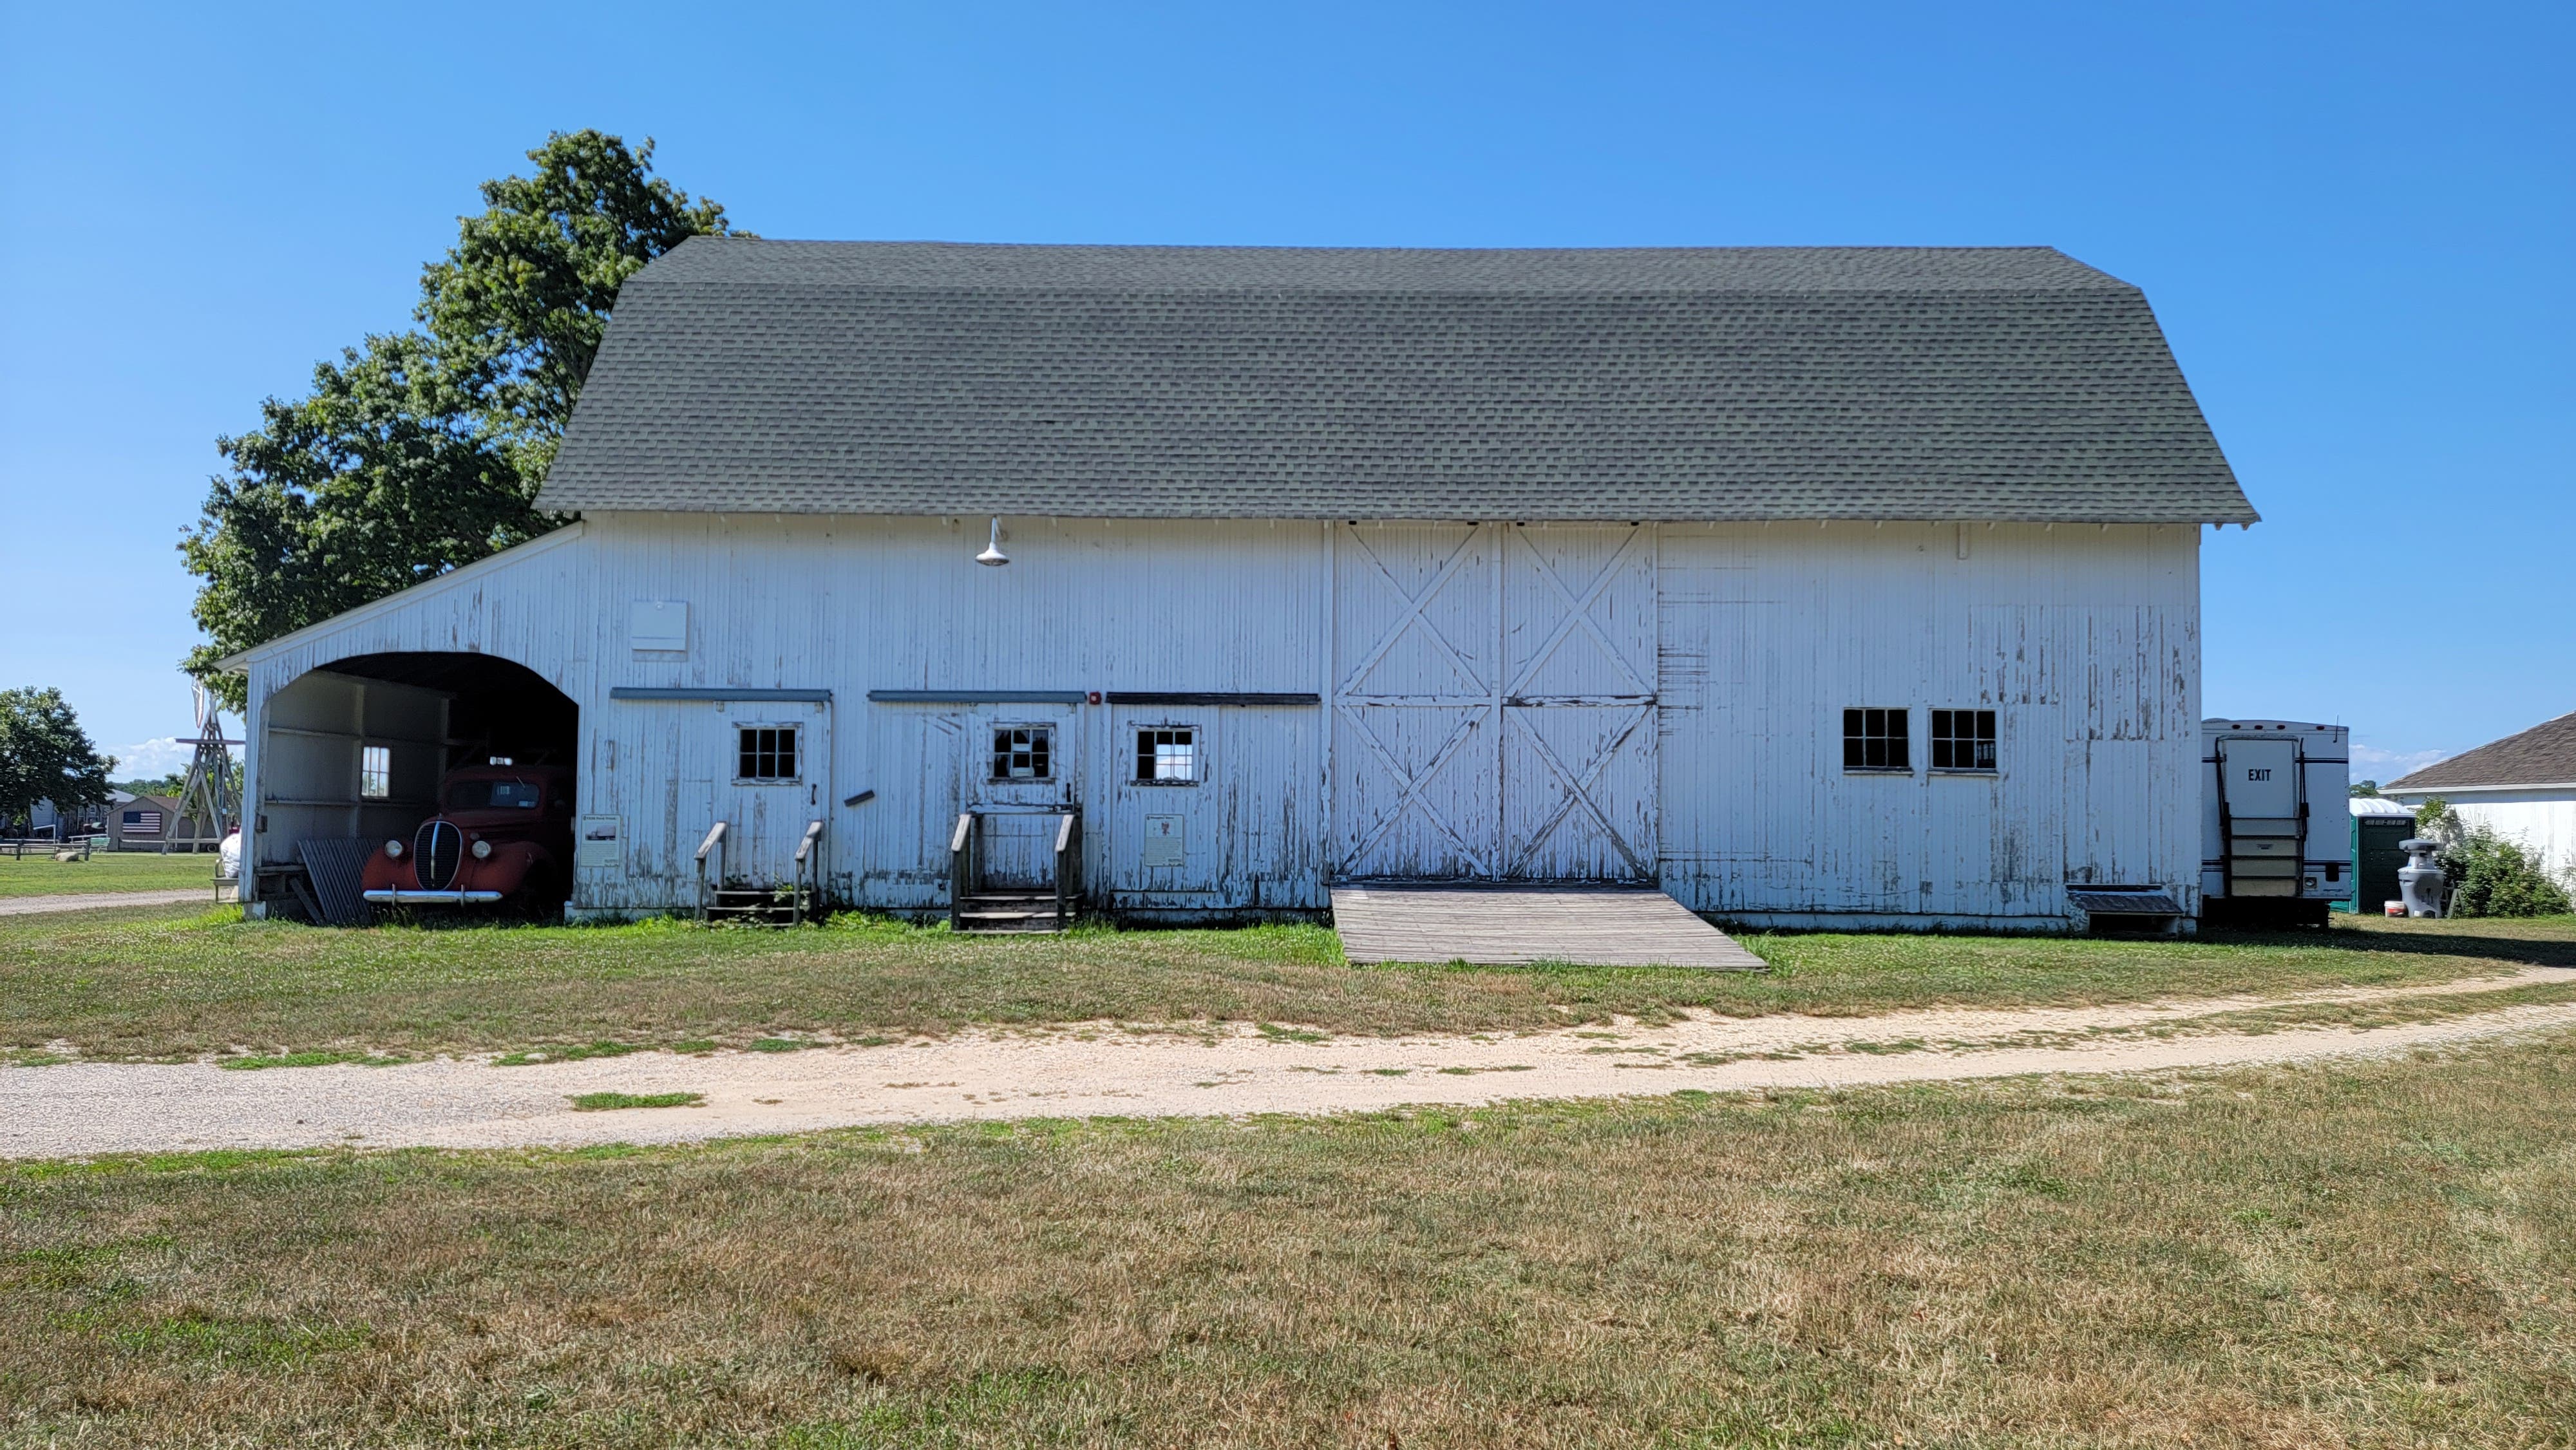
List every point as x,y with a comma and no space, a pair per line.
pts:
1691,678
2084,642
2544,821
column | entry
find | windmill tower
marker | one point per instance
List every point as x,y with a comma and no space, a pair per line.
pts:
207,796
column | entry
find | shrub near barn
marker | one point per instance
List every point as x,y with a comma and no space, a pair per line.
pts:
2485,874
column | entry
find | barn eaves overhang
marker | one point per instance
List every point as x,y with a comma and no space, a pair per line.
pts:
2003,385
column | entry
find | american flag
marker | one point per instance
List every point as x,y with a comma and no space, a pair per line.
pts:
144,823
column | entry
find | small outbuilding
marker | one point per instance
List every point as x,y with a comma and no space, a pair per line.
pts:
1814,585
137,822
2522,787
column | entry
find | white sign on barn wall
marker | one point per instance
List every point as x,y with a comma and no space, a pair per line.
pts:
1494,704
599,845
660,625
1166,840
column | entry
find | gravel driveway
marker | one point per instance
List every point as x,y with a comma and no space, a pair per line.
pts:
83,1108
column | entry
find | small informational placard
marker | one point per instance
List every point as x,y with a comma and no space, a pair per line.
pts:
661,625
1166,840
597,845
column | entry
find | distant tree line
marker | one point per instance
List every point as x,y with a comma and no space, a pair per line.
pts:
421,450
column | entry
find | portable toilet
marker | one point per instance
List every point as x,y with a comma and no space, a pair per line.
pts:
2378,824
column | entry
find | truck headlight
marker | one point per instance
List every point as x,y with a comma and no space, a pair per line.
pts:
394,849
482,850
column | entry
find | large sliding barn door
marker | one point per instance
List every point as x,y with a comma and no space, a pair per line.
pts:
1494,702
1579,717
1416,654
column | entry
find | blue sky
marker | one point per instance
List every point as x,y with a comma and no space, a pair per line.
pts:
2353,220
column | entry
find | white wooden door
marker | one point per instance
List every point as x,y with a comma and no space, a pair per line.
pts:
1023,769
773,777
1493,707
1417,699
1579,730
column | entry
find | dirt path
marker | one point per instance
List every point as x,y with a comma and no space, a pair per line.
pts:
94,900
75,1109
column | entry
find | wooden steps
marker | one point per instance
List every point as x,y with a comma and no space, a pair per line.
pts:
753,906
1009,911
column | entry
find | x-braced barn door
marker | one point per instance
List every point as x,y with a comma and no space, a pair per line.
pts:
1494,702
1579,717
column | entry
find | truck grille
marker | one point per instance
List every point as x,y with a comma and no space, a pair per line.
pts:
435,850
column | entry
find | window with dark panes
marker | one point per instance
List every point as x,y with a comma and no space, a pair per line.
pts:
1166,755
1874,739
1963,740
1023,752
768,753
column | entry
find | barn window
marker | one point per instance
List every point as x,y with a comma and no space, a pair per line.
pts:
1874,739
768,752
375,772
1023,752
1166,755
1963,740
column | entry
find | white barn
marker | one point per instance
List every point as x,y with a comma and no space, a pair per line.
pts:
2522,787
1816,585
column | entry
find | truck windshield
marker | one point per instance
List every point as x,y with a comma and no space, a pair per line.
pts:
492,795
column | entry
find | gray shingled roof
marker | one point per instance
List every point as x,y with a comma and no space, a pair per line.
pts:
2545,754
2009,383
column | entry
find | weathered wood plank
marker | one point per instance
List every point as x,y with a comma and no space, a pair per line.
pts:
1513,925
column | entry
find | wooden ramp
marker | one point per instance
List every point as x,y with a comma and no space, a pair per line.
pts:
1602,926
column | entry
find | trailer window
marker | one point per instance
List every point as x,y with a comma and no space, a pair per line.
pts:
767,752
1963,740
1023,752
1875,739
1166,755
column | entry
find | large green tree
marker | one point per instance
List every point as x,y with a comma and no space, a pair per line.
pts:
423,450
46,756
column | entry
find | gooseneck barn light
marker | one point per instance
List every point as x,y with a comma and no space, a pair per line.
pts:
993,554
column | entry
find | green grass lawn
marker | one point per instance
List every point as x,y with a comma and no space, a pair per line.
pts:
106,871
184,983
2365,1253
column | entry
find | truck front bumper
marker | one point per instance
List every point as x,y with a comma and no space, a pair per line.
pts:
432,898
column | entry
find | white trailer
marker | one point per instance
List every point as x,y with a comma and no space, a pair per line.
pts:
2274,827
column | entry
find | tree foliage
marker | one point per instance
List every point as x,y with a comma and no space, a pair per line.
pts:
46,756
423,450
519,304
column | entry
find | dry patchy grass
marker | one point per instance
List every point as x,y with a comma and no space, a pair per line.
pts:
2375,1253
144,984
106,871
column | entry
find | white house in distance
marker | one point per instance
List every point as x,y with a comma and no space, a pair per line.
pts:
2522,787
1844,585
